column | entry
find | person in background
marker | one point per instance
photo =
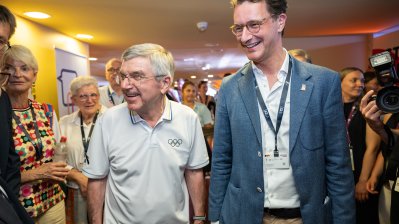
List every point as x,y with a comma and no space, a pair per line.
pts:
34,139
280,153
300,55
209,101
78,128
364,144
189,94
371,82
146,156
111,95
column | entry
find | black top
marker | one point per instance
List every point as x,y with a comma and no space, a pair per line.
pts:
357,136
9,159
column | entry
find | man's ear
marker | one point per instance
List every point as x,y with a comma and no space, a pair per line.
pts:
165,84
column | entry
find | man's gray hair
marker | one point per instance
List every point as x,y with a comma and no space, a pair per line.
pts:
81,81
161,60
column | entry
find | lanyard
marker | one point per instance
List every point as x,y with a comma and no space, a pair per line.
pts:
111,99
39,145
280,109
85,141
352,113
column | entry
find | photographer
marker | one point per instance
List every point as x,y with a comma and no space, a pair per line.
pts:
386,167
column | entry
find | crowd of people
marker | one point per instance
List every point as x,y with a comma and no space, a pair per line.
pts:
290,141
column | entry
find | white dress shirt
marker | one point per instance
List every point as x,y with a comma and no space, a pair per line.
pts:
280,191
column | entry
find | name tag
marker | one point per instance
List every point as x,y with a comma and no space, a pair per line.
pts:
279,162
396,188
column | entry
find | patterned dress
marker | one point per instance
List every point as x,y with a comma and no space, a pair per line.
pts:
40,195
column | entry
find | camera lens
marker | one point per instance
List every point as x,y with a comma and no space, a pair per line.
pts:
388,99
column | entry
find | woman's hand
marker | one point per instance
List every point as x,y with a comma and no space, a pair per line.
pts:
372,184
361,192
53,171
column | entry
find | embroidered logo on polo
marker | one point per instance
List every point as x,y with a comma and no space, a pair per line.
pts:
175,142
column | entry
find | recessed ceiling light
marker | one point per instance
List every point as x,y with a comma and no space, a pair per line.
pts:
206,80
193,77
84,36
37,15
210,76
92,59
188,59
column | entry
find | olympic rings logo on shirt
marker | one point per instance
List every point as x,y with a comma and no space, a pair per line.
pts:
175,142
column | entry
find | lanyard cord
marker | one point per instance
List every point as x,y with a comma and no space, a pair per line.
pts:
85,141
39,145
111,99
280,110
352,114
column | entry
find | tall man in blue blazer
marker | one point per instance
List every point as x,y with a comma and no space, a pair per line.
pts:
280,150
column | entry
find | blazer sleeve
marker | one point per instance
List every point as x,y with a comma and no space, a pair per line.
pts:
339,176
222,158
12,175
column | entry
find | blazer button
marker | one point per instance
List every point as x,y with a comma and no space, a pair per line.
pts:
259,189
259,154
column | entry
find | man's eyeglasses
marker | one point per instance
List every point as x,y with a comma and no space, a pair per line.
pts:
135,78
252,26
113,70
85,97
4,45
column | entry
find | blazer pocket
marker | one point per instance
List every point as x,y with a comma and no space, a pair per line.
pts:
231,205
311,132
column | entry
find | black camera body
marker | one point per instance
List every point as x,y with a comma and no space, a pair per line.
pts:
388,97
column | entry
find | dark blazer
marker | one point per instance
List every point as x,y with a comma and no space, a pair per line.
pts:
11,211
9,159
318,149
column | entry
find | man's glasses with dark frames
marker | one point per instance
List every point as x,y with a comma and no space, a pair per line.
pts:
252,26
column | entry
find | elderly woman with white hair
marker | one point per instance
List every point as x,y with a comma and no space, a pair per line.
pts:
34,135
78,127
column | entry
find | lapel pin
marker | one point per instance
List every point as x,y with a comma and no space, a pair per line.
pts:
303,87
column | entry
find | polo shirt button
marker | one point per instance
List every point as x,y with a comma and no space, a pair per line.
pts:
259,189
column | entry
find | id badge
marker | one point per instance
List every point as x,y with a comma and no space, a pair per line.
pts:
351,155
280,162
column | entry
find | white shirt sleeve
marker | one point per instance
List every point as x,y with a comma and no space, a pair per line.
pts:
98,165
198,155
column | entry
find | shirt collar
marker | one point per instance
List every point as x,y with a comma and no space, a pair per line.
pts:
282,74
76,116
166,115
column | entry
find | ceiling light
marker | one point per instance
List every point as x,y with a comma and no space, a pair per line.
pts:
37,15
210,76
206,80
188,59
92,59
84,36
193,77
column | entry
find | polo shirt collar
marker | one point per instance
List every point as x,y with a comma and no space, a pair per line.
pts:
167,113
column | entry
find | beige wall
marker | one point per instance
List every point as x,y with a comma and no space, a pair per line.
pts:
42,41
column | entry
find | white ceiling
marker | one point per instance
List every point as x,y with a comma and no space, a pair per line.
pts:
118,24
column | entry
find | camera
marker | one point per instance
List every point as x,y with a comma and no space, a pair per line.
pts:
388,97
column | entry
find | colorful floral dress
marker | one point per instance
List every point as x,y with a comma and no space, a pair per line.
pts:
40,195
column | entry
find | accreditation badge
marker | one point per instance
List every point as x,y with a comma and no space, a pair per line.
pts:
277,162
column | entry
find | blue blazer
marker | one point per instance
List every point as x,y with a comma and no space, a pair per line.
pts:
319,152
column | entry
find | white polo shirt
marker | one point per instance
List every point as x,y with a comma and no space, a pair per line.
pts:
145,166
280,191
107,95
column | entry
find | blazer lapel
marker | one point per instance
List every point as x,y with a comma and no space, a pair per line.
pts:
301,89
246,86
